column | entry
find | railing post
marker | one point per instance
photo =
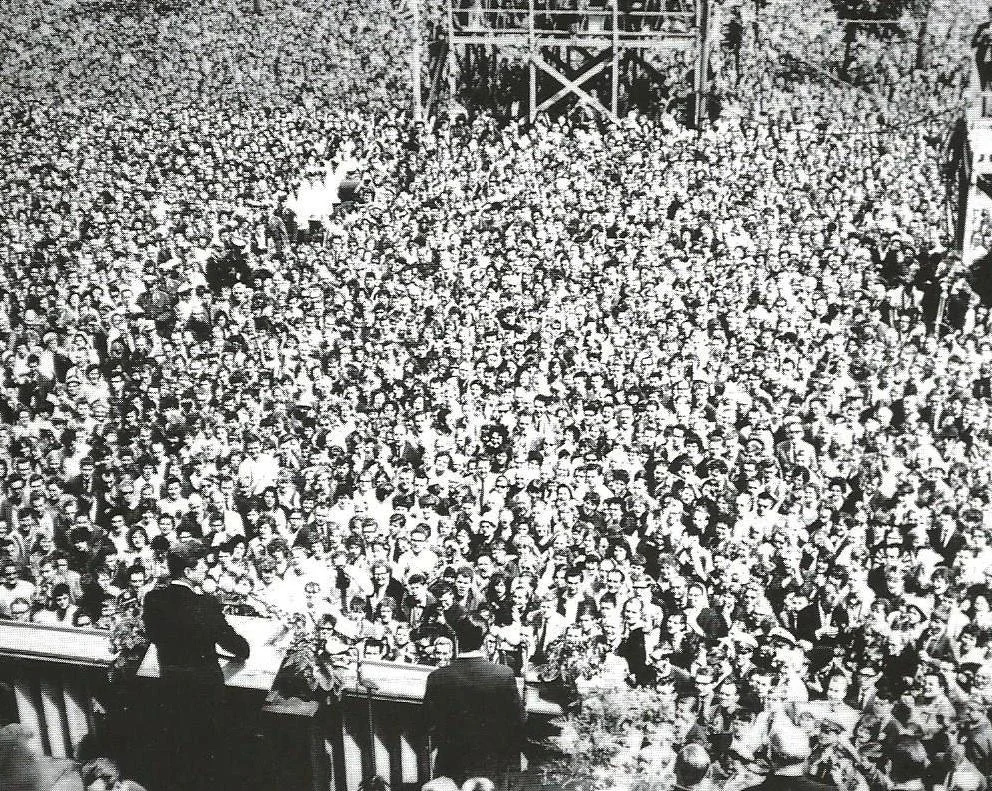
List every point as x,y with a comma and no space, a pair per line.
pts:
450,55
415,62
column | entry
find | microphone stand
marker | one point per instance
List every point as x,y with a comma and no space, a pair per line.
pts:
370,687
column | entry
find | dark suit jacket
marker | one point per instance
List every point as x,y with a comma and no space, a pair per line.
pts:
185,626
948,551
78,485
34,392
779,783
632,649
475,717
808,622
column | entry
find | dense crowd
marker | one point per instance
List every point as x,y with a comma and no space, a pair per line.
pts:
693,409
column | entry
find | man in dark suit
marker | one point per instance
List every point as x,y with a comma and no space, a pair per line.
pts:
548,625
35,388
823,624
473,710
186,626
83,484
946,538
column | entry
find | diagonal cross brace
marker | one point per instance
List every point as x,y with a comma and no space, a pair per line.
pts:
573,85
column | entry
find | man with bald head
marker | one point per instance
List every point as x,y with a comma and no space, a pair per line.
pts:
692,766
788,753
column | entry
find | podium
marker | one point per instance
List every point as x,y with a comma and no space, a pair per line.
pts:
246,759
268,640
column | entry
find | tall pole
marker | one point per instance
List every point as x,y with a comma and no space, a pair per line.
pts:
615,63
702,59
921,39
450,57
418,110
531,66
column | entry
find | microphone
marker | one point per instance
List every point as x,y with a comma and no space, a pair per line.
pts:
367,684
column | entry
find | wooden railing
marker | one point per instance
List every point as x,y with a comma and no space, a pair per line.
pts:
55,675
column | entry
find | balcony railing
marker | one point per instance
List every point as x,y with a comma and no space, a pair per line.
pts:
57,676
585,19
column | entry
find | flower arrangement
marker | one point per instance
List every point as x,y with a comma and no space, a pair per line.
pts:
129,643
613,738
310,671
571,660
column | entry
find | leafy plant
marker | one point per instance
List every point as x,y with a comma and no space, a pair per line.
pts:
308,671
602,740
129,643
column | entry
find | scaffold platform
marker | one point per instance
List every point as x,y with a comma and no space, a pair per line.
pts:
591,51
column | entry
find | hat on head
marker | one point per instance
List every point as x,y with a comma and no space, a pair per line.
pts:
664,648
782,635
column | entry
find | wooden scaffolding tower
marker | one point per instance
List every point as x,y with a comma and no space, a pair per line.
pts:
596,55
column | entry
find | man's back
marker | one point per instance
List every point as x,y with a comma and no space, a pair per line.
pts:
475,717
185,628
789,783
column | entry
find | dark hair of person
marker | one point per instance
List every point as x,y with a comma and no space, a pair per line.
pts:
901,713
909,760
185,555
470,631
491,596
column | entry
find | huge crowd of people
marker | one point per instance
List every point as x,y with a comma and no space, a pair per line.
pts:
699,401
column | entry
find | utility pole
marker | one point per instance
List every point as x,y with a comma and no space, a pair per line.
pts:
418,111
702,62
921,40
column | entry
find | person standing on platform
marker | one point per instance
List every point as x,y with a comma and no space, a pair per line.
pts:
982,44
185,627
473,710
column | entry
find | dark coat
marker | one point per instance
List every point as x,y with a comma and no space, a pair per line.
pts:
475,718
948,551
185,627
632,649
978,746
780,783
809,622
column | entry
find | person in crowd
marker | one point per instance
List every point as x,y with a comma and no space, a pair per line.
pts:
705,426
788,753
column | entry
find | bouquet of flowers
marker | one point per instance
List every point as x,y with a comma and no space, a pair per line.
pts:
602,741
570,660
309,671
129,643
